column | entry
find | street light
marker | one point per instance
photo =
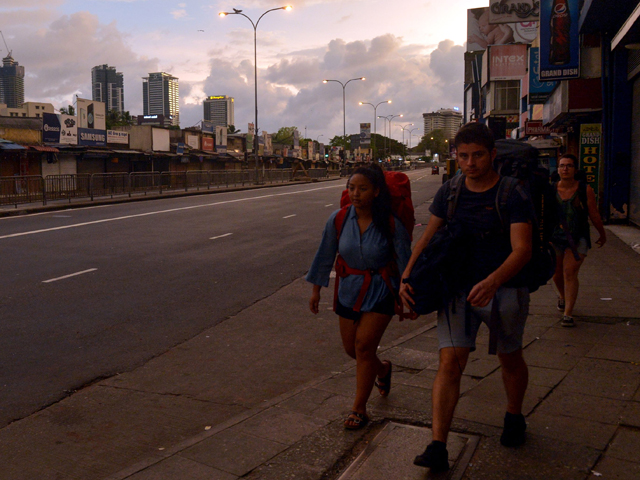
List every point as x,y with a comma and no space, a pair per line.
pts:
255,68
404,127
375,123
319,137
375,107
344,114
389,118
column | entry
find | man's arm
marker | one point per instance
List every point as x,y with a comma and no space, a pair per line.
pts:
406,291
520,236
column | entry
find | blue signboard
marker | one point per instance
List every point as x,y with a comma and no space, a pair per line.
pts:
50,128
92,137
559,40
538,91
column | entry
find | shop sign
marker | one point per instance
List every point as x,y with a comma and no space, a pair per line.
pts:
590,148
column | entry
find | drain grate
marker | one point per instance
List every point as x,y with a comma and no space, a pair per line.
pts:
391,453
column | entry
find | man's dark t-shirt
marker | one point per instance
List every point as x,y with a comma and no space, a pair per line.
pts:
477,211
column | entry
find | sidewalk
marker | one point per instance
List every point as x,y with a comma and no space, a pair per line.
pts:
582,405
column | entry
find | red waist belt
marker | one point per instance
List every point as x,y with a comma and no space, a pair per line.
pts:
343,270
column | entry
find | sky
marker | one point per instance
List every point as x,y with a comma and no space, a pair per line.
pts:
410,52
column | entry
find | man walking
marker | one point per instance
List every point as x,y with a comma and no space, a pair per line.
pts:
497,254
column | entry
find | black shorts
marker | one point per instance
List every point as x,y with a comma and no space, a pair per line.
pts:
386,306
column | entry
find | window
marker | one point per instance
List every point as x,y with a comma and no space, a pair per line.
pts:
507,95
37,107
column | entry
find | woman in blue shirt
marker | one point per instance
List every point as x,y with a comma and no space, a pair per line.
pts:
371,241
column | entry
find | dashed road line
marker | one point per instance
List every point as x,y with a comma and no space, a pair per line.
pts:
69,276
221,236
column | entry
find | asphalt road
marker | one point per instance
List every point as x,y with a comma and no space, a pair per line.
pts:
87,293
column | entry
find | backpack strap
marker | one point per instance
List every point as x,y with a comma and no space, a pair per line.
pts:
341,217
455,186
505,188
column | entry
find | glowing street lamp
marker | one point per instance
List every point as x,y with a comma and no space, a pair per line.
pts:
255,67
344,114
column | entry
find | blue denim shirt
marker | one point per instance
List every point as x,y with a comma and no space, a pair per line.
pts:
369,251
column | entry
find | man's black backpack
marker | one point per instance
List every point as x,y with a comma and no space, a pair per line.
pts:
520,161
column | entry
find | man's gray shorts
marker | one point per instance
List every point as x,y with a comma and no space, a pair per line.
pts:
513,311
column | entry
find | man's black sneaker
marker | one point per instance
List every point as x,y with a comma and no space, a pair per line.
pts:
435,457
513,434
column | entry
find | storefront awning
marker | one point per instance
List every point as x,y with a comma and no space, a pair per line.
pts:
41,148
7,145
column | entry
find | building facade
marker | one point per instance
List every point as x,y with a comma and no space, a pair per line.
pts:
28,110
107,86
445,119
160,96
11,83
218,109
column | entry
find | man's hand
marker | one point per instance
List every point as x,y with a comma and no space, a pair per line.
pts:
405,295
482,292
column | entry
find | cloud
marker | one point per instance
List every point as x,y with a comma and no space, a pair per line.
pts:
176,14
291,92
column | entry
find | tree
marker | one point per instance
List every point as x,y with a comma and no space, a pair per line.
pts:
341,141
118,119
435,141
232,129
68,110
284,136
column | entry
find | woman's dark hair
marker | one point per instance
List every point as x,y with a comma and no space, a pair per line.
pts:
381,208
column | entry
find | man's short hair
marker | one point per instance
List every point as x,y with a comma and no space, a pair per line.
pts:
475,132
571,157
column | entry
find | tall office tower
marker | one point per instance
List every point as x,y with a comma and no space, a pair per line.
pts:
444,119
11,83
107,86
218,109
160,96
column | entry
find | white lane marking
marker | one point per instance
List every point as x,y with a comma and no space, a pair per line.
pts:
221,236
171,210
329,205
289,216
69,276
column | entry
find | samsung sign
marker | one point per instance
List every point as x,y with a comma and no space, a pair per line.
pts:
92,137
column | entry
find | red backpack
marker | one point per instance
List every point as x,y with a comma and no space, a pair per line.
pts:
402,208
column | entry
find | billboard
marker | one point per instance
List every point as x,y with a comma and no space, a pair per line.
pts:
221,139
208,127
92,137
116,136
508,11
559,39
61,129
481,33
207,144
91,114
507,62
268,145
365,135
539,91
250,137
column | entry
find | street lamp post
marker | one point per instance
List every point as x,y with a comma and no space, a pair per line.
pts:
344,114
404,145
375,123
389,118
255,69
411,135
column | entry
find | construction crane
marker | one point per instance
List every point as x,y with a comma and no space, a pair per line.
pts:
5,44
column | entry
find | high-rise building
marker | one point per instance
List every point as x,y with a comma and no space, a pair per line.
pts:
11,83
160,96
445,119
107,86
218,109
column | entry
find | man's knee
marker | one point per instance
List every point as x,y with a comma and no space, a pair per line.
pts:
453,361
512,362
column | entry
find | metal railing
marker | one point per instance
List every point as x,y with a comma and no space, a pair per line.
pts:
32,188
